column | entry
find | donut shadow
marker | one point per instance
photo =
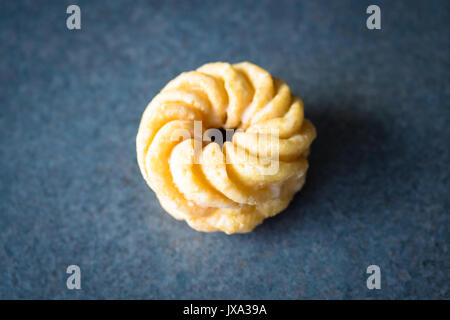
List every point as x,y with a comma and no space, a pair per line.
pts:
349,149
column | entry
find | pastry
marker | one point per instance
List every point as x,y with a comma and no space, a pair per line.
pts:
231,186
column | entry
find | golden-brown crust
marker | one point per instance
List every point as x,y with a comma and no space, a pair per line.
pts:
251,178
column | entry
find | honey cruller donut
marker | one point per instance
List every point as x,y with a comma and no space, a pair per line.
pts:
234,187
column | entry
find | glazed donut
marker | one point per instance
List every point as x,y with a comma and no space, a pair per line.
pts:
231,186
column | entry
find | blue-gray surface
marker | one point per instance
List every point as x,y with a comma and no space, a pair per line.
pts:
378,186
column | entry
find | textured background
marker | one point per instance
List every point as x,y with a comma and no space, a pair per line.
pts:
378,187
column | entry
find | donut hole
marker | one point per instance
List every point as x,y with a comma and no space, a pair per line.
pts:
218,135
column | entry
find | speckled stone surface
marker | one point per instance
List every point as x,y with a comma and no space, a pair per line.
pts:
378,186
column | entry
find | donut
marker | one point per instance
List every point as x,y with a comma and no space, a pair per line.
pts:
217,183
